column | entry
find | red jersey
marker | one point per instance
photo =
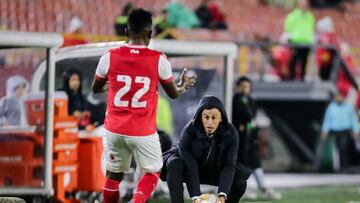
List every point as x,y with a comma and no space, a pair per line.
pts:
133,73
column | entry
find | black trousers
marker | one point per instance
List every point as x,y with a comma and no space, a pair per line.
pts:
249,154
346,147
175,178
299,55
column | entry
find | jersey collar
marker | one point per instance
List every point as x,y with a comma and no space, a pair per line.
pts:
136,46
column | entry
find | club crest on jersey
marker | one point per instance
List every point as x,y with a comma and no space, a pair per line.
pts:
134,51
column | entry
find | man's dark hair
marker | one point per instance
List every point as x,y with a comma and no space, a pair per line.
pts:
139,21
242,79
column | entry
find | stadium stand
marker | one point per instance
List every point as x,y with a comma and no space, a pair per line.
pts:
48,16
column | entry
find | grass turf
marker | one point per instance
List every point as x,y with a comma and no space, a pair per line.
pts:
328,194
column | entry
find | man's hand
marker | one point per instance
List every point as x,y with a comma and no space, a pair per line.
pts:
220,199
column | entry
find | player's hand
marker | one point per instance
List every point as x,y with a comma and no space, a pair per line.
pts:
220,199
187,78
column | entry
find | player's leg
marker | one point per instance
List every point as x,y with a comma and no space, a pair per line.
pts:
117,160
148,156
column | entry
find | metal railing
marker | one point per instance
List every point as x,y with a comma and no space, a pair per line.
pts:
260,56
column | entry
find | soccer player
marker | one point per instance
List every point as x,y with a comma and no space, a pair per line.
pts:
133,72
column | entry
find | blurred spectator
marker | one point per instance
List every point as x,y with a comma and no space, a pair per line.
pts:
218,16
165,141
12,106
180,16
78,106
343,80
324,3
204,14
281,57
326,36
326,56
243,118
73,34
341,123
162,26
299,24
121,20
164,118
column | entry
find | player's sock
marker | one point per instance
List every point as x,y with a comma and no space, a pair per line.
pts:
145,187
111,193
259,177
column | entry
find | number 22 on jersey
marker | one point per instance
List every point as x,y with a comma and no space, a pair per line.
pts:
135,103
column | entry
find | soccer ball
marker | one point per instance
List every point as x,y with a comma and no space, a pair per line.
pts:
190,73
207,198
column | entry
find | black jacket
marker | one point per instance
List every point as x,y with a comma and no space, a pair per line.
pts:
244,110
215,155
77,101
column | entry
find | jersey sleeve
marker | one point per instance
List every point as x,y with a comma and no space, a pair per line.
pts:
165,71
103,67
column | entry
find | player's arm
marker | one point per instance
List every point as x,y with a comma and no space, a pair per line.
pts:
101,74
166,79
174,90
98,85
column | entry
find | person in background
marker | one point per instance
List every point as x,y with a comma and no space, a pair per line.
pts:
164,118
206,154
341,122
300,26
121,20
181,16
12,106
78,106
218,17
164,123
243,118
162,26
204,14
73,35
326,56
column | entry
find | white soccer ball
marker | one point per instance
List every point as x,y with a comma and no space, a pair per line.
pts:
190,73
208,198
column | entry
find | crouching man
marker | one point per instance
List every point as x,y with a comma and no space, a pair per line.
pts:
206,154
